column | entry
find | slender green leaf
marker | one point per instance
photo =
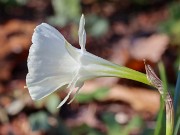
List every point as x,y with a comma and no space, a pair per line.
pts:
159,119
177,127
177,92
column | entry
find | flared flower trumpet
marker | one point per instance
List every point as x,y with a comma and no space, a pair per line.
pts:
53,63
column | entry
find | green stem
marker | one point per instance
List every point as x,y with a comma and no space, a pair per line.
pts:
156,82
169,115
168,101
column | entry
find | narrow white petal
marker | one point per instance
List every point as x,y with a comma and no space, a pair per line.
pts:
66,98
49,64
82,33
77,92
69,93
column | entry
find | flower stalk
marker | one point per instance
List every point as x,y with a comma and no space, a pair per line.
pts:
157,83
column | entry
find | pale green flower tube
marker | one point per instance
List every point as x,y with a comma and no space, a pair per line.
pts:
53,63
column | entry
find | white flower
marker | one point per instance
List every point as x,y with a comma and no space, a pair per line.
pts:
53,63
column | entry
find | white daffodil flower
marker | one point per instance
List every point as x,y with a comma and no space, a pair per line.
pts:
53,63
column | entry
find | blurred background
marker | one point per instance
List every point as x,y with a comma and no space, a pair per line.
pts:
124,32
